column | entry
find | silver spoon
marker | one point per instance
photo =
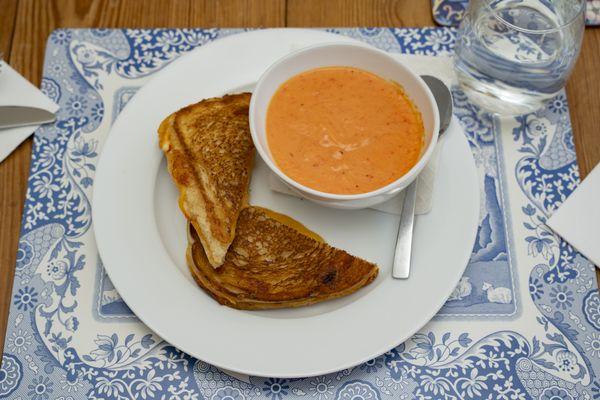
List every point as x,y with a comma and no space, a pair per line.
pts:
402,256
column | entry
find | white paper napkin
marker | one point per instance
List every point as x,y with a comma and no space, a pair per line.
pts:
577,220
440,67
17,91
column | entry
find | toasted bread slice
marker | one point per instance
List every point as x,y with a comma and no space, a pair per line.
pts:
271,264
209,154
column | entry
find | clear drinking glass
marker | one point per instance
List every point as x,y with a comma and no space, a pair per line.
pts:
512,55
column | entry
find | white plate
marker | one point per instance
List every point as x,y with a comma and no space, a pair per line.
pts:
141,234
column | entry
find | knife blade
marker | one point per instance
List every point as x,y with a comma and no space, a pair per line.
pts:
15,116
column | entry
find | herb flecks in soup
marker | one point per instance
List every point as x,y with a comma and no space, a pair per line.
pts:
343,130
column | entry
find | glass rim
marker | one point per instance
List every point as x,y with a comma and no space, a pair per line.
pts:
582,6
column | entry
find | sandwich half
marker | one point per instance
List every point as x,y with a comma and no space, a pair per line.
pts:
275,262
209,155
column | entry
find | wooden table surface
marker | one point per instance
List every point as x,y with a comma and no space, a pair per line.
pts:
26,24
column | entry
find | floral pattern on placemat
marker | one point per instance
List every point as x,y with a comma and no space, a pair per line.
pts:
450,12
592,13
523,323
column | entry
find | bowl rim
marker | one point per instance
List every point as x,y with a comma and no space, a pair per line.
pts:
393,187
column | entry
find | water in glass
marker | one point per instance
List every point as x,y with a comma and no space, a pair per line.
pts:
512,55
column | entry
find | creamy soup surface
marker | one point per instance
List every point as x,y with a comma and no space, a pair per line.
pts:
343,130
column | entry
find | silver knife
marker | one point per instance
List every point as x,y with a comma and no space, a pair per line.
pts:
15,116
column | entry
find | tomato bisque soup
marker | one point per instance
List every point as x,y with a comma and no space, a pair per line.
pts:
343,130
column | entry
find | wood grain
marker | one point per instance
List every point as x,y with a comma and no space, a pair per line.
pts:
7,25
583,93
26,24
331,13
235,13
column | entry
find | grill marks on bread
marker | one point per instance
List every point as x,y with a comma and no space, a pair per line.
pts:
209,154
271,265
266,260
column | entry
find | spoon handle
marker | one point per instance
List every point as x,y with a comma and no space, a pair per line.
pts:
401,268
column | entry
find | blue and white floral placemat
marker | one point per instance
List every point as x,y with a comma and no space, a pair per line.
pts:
523,323
450,12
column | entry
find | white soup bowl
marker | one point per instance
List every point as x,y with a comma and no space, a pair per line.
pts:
349,55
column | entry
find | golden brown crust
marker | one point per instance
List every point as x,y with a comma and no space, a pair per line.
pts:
270,265
209,154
